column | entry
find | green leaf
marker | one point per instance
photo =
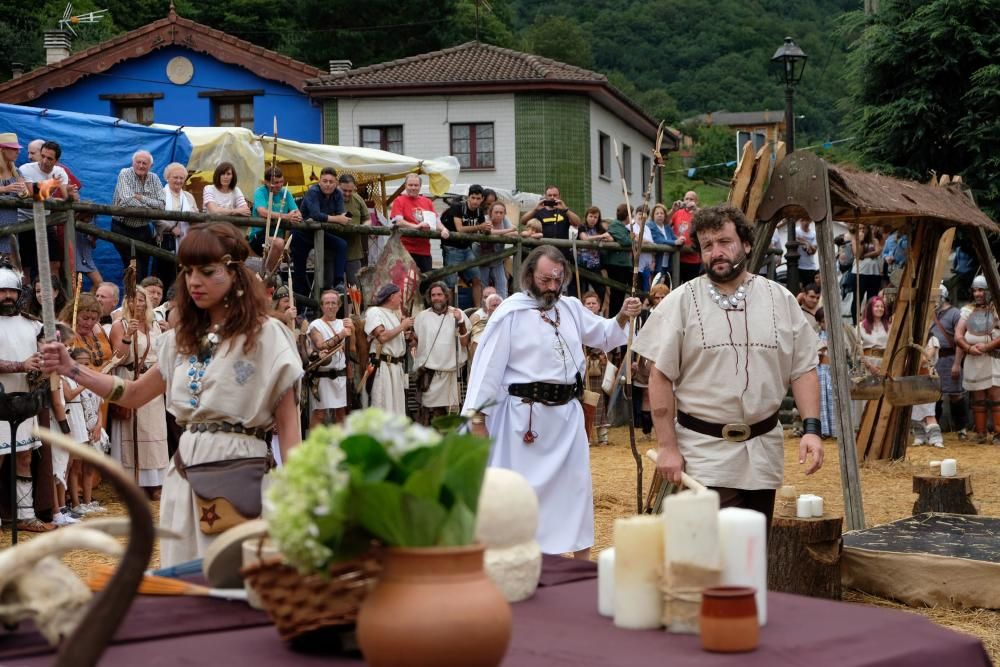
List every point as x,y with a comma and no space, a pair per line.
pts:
466,457
397,518
367,454
448,423
426,482
459,528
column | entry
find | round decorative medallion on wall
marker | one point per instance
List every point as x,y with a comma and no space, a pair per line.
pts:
180,70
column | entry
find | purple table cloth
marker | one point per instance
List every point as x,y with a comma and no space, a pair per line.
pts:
558,626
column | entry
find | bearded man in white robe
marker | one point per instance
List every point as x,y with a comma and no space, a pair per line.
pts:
524,388
386,330
442,348
725,348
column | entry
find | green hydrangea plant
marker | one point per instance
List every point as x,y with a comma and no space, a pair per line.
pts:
379,477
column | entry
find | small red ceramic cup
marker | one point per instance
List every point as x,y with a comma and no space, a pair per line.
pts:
729,619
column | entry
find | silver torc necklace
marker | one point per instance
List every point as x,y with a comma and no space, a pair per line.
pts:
734,301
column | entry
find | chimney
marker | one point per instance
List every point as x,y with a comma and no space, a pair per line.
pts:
56,46
340,66
16,70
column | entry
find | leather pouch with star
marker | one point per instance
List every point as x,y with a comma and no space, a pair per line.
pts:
226,493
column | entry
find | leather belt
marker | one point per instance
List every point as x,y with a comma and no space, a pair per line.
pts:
734,432
225,427
546,393
332,374
389,359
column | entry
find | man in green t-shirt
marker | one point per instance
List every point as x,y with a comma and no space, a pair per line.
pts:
357,210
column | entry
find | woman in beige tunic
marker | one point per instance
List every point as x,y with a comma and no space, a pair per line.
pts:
137,332
229,372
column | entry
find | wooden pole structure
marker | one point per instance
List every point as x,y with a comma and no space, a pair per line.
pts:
69,248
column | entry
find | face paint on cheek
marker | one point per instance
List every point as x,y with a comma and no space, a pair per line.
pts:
218,276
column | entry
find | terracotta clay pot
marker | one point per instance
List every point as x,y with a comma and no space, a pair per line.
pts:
729,619
433,607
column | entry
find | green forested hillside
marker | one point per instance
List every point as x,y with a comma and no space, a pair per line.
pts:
676,57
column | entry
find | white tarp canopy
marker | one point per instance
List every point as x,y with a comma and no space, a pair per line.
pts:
250,152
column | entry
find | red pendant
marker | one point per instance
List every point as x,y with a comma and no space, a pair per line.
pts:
529,437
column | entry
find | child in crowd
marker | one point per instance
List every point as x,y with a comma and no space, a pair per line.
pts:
825,383
89,431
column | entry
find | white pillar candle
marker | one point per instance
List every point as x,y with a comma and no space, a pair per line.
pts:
816,504
638,602
743,539
949,468
606,583
692,559
803,506
935,466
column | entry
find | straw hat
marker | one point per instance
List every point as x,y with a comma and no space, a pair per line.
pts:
9,140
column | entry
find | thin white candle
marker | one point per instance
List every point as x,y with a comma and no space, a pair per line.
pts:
949,468
606,583
638,602
743,539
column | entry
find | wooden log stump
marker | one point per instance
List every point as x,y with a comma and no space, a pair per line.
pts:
803,556
943,494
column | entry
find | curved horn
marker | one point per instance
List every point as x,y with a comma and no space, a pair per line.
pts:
14,562
117,526
84,647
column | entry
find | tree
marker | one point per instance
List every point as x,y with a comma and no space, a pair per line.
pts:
925,89
714,146
559,38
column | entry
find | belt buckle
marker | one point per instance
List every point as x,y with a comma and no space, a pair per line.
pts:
736,432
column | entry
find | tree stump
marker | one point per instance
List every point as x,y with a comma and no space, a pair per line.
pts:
943,494
803,556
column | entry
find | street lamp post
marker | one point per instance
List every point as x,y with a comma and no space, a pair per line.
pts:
788,62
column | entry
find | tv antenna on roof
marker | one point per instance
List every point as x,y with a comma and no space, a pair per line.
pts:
68,20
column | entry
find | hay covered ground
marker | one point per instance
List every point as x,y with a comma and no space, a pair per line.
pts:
886,488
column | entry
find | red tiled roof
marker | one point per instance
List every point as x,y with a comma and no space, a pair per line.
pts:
172,30
477,67
467,63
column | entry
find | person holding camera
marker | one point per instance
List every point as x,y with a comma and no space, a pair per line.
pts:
556,218
681,215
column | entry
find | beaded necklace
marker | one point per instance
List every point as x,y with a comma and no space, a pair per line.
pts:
734,301
198,364
96,353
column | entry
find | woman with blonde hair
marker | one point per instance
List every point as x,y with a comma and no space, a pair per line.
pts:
142,431
11,183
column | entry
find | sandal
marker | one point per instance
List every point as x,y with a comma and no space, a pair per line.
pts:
35,525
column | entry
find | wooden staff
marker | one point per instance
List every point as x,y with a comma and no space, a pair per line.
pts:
76,298
40,192
270,201
130,292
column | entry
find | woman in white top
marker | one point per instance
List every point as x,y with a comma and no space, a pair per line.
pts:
223,197
169,233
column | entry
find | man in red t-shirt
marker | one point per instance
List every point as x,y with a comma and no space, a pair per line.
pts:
413,210
681,220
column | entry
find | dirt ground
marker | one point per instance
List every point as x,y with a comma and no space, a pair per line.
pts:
886,489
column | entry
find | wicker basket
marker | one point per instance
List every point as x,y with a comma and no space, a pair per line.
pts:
299,604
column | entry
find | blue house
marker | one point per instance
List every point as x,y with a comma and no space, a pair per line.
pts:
174,71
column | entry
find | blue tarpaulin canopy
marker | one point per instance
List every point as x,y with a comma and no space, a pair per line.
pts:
96,148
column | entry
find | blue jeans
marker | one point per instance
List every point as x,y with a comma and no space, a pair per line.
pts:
334,259
497,277
454,256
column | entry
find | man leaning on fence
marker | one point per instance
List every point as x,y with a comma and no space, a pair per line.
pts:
137,187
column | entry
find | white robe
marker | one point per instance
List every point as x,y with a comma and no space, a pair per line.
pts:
719,378
332,391
518,346
389,385
437,342
20,341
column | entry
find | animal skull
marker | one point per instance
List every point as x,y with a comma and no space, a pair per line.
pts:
35,584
